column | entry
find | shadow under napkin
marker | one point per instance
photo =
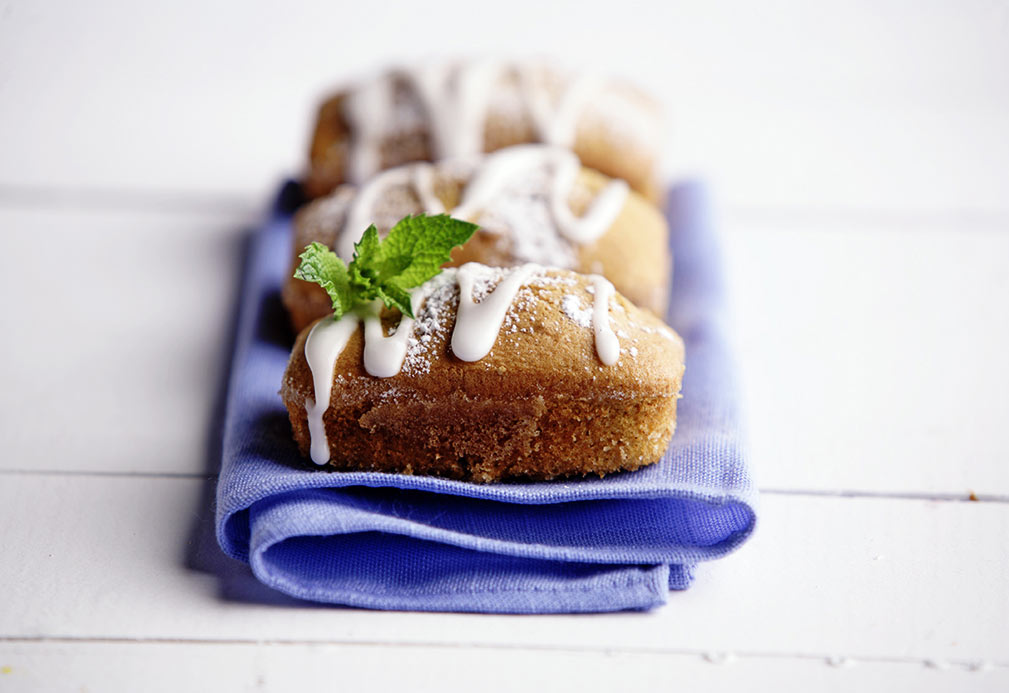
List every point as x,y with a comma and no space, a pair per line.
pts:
405,542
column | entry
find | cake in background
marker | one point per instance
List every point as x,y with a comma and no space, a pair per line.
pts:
462,108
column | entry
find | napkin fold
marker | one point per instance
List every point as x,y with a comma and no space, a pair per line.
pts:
387,541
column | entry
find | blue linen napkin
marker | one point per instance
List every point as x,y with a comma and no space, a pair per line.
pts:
417,543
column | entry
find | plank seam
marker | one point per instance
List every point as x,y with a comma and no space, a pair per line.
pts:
115,199
169,200
713,657
966,497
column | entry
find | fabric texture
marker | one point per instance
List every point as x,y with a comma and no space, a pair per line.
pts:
417,543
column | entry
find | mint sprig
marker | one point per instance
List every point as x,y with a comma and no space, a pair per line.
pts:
413,251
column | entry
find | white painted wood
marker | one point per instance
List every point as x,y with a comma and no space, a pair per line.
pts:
874,354
170,667
864,105
844,157
864,150
128,557
115,329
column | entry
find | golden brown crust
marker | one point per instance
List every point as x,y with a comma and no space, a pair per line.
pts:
328,150
602,141
633,253
540,405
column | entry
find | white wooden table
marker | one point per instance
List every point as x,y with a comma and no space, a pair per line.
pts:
861,155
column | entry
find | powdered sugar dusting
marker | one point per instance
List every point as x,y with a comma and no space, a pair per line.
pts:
431,324
431,327
521,212
662,331
576,312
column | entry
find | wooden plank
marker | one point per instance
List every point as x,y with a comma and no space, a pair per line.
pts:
843,157
117,325
129,557
874,354
170,667
852,105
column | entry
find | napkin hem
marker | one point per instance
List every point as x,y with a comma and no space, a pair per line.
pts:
236,546
615,594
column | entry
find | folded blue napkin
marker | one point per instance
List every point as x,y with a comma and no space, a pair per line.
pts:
406,542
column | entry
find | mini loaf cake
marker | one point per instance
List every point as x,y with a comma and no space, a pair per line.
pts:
438,111
534,203
521,373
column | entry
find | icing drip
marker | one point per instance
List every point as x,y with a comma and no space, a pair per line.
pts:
360,213
419,177
503,167
455,99
607,344
477,324
494,175
423,185
369,109
597,218
558,124
323,347
384,356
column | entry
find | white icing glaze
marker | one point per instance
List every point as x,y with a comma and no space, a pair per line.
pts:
597,218
607,344
476,330
455,99
477,324
369,109
423,185
557,123
504,166
323,347
384,356
359,215
492,177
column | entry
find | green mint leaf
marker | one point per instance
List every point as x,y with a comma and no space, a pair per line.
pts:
395,297
366,250
362,282
322,266
413,252
417,247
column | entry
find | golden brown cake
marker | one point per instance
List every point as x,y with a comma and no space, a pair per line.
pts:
577,381
534,203
436,111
